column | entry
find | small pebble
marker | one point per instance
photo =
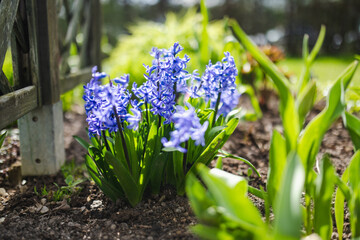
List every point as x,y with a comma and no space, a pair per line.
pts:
3,192
113,227
43,201
124,226
44,209
96,204
2,220
179,210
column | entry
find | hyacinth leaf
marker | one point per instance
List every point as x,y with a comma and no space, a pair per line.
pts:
352,124
224,154
311,138
325,183
354,202
103,184
309,59
288,111
212,148
95,142
2,138
213,233
288,207
340,197
82,142
119,149
277,163
305,47
200,201
149,155
228,193
306,100
131,145
127,182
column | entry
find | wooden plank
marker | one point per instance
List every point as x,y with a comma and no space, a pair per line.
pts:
42,140
95,46
47,51
20,49
16,104
20,28
72,80
8,9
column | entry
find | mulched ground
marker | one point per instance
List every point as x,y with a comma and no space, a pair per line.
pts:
90,215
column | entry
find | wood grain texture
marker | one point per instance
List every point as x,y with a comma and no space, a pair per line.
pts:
72,80
16,104
8,9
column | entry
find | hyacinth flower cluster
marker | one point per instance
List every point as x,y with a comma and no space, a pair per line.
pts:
187,125
153,137
218,86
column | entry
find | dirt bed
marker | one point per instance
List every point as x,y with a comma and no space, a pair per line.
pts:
91,215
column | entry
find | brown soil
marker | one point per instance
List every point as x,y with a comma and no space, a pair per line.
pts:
91,215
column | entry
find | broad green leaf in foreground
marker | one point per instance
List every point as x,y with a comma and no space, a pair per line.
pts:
229,197
352,124
324,182
310,140
288,208
277,163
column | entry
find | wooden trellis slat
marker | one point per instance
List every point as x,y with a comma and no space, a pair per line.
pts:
8,10
16,104
41,73
72,80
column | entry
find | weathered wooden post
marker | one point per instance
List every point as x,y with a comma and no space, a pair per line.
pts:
41,130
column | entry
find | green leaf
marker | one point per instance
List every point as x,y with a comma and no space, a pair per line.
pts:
354,202
352,124
288,211
229,194
339,208
212,233
101,182
212,148
305,101
324,182
2,138
199,199
82,142
127,182
318,45
131,145
314,132
288,111
223,153
277,163
309,59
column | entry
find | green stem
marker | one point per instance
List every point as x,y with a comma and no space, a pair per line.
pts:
147,114
216,108
308,226
185,156
122,137
105,141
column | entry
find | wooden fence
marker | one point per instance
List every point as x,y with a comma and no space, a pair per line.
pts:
53,44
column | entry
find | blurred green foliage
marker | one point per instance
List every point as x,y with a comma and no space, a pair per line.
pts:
190,29
7,67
